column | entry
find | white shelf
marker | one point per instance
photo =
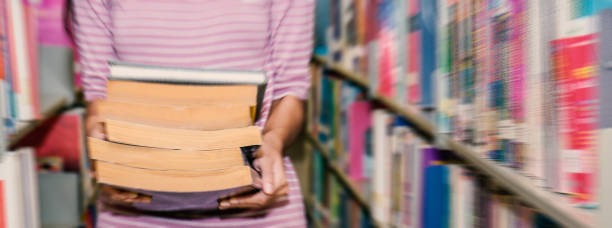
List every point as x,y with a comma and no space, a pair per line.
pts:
555,206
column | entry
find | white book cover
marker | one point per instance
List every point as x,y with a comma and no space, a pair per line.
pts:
29,180
571,21
381,191
10,174
141,72
468,200
534,153
457,197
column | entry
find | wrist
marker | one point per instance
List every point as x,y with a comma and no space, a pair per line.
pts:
273,140
92,107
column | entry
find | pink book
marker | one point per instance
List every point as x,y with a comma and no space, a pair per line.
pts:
2,206
414,56
386,79
577,84
31,25
359,121
517,59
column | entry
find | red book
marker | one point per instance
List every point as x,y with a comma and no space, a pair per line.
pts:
575,62
60,136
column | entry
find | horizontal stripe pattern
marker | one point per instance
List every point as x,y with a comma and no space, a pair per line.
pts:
270,35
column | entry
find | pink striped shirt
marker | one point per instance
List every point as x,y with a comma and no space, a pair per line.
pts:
270,35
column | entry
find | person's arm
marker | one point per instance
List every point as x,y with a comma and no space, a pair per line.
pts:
291,42
93,39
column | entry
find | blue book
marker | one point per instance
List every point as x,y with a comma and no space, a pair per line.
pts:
436,209
322,22
428,24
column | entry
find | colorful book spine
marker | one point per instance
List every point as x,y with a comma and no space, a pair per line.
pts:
414,50
359,123
436,207
575,60
387,40
381,188
3,209
428,25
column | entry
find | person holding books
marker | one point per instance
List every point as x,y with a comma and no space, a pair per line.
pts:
270,35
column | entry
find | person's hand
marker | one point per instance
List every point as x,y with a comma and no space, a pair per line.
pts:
120,196
269,160
94,124
94,127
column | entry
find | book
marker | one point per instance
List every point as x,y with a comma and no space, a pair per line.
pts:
29,181
413,76
359,122
178,137
175,138
20,188
437,200
22,54
575,61
195,117
3,209
173,180
180,94
428,25
155,158
141,72
381,172
387,46
11,177
605,70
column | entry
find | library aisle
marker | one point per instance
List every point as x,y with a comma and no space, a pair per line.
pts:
398,113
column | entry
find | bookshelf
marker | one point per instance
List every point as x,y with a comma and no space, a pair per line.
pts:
340,175
548,203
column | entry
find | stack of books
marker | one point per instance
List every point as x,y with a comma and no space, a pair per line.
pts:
178,130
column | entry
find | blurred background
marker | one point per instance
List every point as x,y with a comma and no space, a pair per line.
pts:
422,113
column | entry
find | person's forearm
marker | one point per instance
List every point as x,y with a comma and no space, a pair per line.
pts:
285,121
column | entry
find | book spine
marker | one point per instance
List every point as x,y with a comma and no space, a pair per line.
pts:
3,205
402,52
11,176
30,187
428,22
414,57
20,58
381,192
387,38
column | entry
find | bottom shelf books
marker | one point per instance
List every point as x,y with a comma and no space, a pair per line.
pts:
19,201
409,183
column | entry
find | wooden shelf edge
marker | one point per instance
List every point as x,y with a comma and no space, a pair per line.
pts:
53,110
359,80
544,201
565,214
